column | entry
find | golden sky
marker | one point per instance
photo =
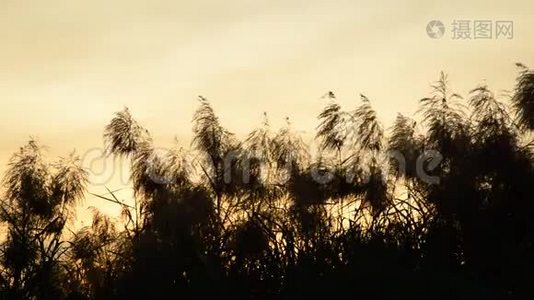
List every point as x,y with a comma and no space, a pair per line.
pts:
66,66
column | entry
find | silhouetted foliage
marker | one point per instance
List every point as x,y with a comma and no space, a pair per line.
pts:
438,208
38,203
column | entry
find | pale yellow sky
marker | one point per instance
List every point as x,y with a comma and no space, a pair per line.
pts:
66,66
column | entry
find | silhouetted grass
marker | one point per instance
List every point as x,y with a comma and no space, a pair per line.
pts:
261,218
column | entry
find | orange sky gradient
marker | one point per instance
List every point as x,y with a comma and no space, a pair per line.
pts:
66,66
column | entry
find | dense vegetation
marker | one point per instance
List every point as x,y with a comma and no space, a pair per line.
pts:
451,215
